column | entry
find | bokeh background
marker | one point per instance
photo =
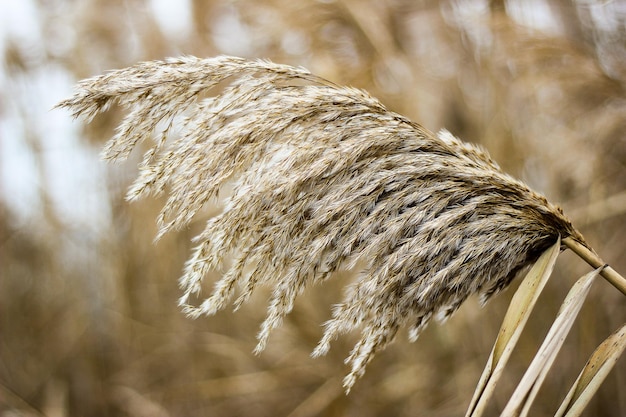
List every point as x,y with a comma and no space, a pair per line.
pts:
88,319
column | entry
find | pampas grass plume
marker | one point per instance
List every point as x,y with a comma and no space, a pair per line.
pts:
322,177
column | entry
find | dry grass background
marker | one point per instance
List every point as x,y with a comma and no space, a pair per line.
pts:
88,318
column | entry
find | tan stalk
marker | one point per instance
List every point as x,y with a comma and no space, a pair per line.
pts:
611,275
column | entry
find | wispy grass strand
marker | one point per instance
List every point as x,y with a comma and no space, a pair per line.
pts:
323,177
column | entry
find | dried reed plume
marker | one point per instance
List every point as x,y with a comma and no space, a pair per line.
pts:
322,177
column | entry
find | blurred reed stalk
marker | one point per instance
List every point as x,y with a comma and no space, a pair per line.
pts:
324,177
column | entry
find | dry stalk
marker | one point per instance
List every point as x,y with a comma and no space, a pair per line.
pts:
323,176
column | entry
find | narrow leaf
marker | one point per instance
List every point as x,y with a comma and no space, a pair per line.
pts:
532,380
593,374
514,321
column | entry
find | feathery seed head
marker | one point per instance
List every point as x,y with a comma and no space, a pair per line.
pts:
323,176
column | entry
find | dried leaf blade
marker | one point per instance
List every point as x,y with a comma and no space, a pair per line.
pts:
527,389
593,374
516,317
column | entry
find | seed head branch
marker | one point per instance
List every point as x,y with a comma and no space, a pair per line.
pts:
322,177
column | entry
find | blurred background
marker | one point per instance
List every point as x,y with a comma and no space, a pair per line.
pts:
89,324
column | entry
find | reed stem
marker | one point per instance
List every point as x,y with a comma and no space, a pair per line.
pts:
595,261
